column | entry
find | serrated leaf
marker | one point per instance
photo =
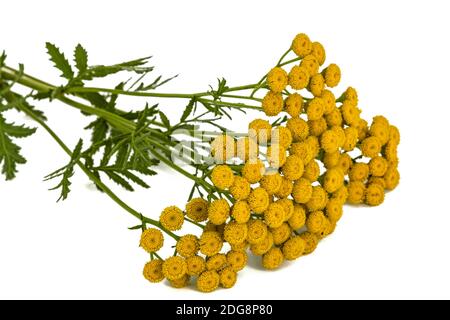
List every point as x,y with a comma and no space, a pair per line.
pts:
60,61
164,120
66,172
187,111
119,180
81,58
9,151
132,66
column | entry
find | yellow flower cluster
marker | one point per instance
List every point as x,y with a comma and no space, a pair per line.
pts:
289,191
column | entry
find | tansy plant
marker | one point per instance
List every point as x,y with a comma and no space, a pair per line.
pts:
274,192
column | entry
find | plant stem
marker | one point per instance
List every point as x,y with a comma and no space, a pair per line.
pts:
93,178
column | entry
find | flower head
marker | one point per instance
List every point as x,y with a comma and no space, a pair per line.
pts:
272,259
277,79
174,268
172,218
222,177
152,240
153,271
197,209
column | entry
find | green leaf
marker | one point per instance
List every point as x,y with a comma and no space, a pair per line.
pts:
164,120
59,60
10,152
66,172
81,58
136,66
187,111
138,227
119,180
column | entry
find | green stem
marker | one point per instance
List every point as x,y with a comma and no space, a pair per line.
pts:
93,178
230,104
194,223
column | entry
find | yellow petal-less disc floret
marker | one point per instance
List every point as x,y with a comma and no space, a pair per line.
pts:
329,141
299,129
223,148
391,178
174,268
381,131
288,207
359,172
256,231
331,159
282,136
316,85
350,113
228,278
152,240
312,171
332,75
356,192
341,194
208,281
377,180
274,216
302,150
241,211
311,242
371,147
298,77
318,199
298,218
260,130
187,246
153,271
197,209
195,265
351,95
319,52
340,134
315,109
216,262
210,243
315,222
302,190
345,162
272,259
374,194
334,118
218,211
271,183
317,127
246,148
294,248
329,101
277,79
253,171
237,260
294,105
351,138
172,218
394,135
293,168
262,247
235,233
222,177
333,180
301,45
272,103
276,156
281,234
310,63
180,283
285,189
240,188
334,209
258,200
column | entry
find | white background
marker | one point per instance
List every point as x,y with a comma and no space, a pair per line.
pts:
394,52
